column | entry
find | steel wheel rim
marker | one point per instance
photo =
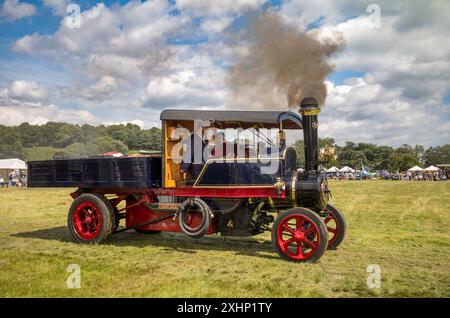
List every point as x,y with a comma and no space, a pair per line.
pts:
298,237
87,220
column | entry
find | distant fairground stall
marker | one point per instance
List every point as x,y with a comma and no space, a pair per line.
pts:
440,172
13,172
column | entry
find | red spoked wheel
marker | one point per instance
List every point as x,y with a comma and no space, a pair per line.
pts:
91,218
87,220
336,226
299,235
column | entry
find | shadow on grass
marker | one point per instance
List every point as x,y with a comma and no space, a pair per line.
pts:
171,242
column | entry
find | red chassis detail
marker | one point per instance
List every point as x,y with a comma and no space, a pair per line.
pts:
227,192
139,213
249,192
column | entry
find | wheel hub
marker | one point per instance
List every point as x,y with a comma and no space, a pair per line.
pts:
299,235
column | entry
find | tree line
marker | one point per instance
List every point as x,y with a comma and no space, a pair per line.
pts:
75,141
378,158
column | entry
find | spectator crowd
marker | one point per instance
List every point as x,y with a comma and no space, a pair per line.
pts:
14,179
442,174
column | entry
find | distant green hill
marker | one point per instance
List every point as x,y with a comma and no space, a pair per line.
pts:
40,153
46,153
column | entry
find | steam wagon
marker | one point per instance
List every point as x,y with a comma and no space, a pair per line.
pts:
233,193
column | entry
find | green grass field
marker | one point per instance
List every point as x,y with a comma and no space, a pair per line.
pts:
404,227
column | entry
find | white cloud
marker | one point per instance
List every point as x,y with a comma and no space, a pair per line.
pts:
403,60
218,7
360,111
193,81
217,25
410,51
123,42
329,13
406,64
104,88
15,112
123,69
38,114
12,10
216,15
27,90
25,101
134,30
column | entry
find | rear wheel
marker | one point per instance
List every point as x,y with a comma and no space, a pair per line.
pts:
336,226
91,218
299,235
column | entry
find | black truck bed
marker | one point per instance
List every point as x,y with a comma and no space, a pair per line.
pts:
128,172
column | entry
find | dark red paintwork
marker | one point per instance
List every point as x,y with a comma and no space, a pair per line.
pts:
139,213
207,192
228,192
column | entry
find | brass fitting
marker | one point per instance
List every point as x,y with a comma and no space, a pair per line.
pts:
279,185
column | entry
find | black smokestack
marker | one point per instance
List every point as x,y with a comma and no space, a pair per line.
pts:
309,109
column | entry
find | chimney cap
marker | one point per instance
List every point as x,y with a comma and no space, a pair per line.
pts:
309,106
309,102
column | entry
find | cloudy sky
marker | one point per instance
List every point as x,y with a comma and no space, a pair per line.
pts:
125,61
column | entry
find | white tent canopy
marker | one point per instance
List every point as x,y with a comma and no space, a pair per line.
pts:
431,169
332,169
415,169
14,163
346,169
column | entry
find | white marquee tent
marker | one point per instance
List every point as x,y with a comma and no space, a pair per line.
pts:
431,169
347,169
12,164
332,169
415,169
8,165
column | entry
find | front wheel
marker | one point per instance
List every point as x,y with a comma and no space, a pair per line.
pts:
299,235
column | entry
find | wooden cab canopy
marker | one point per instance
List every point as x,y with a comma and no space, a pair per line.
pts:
175,118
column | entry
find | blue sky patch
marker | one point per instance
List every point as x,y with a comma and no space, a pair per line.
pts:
316,24
446,98
339,77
